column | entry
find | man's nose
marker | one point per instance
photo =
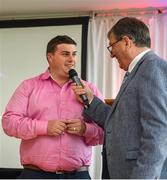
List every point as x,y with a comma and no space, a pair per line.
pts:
71,58
111,55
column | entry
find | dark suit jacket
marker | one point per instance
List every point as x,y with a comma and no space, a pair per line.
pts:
136,124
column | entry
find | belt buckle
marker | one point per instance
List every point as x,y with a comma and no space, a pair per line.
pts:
63,172
59,172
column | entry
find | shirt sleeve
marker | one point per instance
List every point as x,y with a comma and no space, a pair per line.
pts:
94,134
15,120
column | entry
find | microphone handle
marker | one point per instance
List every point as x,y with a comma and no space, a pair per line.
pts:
77,81
83,96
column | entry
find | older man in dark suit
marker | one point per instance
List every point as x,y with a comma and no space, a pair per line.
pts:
136,124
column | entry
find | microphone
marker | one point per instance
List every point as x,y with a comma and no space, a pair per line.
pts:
74,76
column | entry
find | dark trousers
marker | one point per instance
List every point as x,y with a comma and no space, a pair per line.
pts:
35,174
105,173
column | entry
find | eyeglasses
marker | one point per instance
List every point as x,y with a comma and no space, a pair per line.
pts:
111,46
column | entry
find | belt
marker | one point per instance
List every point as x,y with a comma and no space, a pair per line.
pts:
33,167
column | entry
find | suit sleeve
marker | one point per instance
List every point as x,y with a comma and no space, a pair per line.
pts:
153,108
97,111
94,134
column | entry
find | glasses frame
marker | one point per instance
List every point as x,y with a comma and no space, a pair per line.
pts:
111,45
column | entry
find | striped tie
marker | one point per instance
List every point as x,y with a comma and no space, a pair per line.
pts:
125,77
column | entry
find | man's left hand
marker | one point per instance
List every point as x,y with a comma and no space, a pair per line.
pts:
76,126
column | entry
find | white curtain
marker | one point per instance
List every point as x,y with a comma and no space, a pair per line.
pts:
103,71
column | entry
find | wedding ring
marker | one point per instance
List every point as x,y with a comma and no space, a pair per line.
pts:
74,128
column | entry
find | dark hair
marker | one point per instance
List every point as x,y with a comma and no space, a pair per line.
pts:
134,29
52,44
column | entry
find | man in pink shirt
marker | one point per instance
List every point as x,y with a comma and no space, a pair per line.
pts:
45,114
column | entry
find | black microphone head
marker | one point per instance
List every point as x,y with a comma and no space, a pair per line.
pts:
72,73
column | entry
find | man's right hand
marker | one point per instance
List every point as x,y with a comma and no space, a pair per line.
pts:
79,90
56,128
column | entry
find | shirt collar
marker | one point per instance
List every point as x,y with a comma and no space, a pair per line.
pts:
136,60
45,75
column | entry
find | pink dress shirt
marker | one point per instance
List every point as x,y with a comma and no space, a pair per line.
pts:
36,101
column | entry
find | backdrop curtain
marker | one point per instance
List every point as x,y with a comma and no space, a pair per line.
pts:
103,71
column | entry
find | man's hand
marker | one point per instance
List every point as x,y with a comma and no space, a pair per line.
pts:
76,127
56,128
79,90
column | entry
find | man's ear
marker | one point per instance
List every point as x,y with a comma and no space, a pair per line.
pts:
49,57
128,41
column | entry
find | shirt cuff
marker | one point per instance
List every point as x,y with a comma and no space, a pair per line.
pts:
41,127
88,131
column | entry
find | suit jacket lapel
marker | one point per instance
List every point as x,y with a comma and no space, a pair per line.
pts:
124,85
